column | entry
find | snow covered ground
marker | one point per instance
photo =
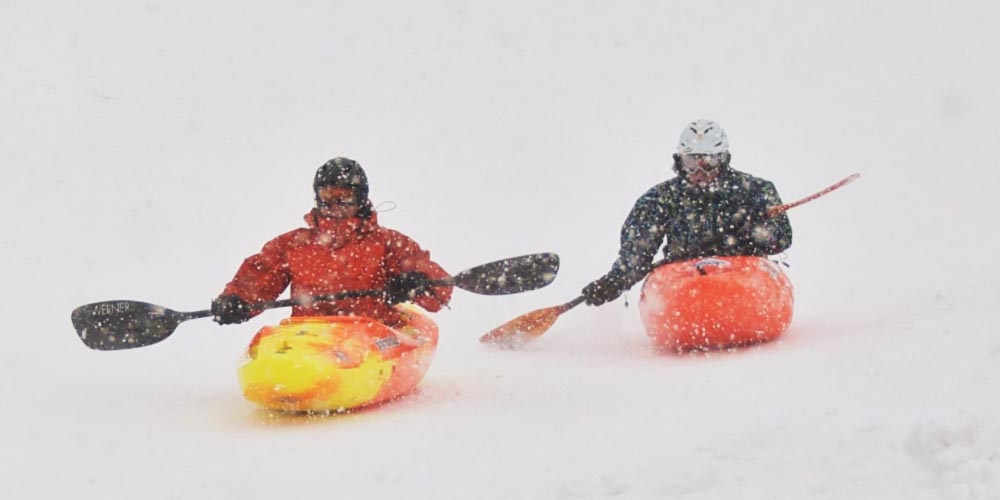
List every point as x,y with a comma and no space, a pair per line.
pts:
148,147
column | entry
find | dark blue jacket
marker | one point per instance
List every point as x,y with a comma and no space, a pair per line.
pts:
726,219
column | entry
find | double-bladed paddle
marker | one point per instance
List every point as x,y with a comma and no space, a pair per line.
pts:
526,327
126,324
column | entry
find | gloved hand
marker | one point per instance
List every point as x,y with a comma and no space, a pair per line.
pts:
602,290
231,309
743,220
755,234
405,287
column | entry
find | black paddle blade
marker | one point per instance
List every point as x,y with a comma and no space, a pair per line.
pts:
123,324
507,276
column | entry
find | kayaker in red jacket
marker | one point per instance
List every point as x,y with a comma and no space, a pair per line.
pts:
342,249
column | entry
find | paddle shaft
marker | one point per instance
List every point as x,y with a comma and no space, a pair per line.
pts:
309,299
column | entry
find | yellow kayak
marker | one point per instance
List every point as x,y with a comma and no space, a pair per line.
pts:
336,363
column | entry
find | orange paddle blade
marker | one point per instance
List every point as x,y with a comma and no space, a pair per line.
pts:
520,330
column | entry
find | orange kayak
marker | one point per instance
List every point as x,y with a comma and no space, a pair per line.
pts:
336,363
716,303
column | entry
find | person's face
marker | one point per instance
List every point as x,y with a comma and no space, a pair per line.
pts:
701,169
337,202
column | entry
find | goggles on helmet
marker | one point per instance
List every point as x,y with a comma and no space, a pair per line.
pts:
332,199
348,202
707,163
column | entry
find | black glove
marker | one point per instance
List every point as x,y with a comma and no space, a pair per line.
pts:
742,221
231,309
602,290
405,287
754,231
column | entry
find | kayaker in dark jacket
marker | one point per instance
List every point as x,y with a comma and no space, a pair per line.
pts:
709,209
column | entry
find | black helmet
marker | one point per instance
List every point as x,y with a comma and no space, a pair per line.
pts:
343,172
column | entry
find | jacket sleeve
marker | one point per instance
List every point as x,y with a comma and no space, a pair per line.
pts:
770,235
263,276
404,255
641,237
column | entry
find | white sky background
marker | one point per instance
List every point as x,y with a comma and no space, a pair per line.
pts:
147,148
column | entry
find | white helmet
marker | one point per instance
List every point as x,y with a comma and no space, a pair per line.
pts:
703,137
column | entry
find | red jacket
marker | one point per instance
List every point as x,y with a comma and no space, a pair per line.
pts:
332,256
